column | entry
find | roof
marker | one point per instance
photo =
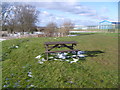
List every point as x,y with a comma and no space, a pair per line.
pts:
105,21
109,22
115,22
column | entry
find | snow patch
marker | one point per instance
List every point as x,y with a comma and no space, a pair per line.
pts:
69,57
38,57
29,74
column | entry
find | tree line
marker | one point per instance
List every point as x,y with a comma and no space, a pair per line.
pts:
23,18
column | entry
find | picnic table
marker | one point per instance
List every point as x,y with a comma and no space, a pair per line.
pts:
51,45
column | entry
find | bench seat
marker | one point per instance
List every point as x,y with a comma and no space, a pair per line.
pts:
60,51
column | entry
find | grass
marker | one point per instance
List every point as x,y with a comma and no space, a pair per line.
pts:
91,33
100,71
95,30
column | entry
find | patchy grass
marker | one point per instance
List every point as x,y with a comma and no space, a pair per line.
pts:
99,71
91,33
112,34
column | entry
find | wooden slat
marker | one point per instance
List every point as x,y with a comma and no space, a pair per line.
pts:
61,51
64,42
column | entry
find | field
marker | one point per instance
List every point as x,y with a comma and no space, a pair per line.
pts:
98,70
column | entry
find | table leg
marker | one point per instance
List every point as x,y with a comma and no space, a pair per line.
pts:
76,52
47,56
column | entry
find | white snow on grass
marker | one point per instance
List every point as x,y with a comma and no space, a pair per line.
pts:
62,56
16,46
72,58
75,59
65,53
38,57
51,57
5,86
74,55
29,74
67,60
43,59
1,39
31,85
71,35
81,55
40,62
80,52
55,59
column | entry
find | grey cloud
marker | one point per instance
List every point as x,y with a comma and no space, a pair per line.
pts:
66,7
71,8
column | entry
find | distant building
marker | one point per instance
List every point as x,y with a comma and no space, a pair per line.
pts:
80,27
116,25
108,25
93,27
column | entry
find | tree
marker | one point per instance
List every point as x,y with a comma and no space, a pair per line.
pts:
27,17
7,16
51,29
66,27
19,16
3,11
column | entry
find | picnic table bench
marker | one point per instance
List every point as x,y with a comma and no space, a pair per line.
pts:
51,45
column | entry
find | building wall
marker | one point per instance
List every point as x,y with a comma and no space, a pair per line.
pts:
107,25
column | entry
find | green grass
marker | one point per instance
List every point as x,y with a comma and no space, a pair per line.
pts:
91,33
94,72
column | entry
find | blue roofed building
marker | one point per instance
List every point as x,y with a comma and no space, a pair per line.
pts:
108,25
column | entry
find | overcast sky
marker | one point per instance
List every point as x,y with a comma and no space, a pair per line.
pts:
80,13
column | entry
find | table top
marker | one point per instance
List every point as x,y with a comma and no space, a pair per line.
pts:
61,42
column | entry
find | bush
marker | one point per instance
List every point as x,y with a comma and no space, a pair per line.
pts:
4,35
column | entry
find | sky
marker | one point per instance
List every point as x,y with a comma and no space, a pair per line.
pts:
80,13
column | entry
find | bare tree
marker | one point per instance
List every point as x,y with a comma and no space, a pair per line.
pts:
19,16
27,17
66,27
8,19
3,12
51,29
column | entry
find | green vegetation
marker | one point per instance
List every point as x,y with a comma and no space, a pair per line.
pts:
100,71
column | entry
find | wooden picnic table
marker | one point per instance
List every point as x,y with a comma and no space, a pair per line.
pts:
51,45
